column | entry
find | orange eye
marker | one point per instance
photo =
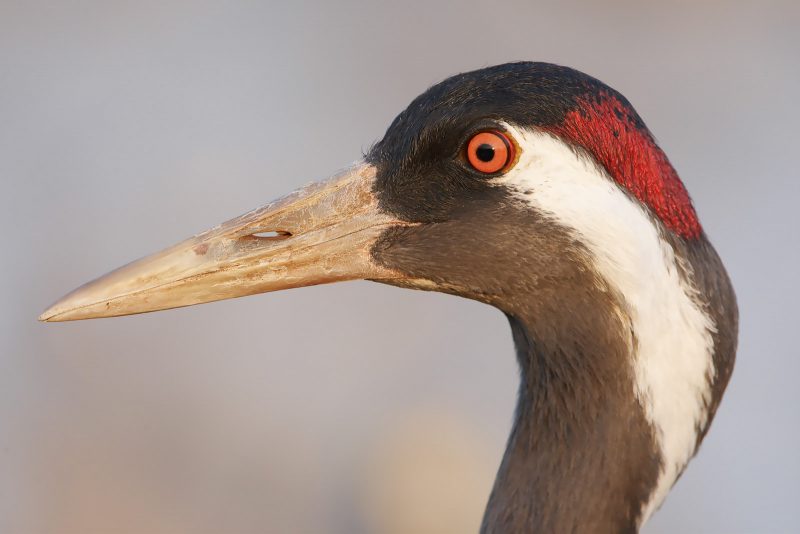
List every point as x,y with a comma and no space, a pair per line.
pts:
490,152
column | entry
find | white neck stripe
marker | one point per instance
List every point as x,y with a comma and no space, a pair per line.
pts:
672,359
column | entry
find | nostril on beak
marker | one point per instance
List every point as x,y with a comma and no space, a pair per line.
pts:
273,235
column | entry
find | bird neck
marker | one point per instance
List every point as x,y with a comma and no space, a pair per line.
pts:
581,456
624,357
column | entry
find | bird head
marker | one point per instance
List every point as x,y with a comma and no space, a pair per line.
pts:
539,190
506,168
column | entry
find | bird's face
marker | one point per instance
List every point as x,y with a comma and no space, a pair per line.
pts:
468,231
458,197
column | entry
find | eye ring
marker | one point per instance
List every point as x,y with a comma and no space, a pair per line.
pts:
491,152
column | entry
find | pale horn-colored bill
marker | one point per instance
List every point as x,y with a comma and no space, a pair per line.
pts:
319,234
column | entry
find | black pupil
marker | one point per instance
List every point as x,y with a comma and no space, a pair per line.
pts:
485,152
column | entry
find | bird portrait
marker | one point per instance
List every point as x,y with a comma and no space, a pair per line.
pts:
536,189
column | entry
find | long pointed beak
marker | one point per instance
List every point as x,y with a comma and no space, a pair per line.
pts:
319,234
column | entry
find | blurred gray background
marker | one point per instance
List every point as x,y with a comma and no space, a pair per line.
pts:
126,126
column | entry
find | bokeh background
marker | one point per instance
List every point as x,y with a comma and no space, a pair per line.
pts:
126,126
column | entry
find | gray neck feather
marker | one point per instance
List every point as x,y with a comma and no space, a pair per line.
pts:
581,456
